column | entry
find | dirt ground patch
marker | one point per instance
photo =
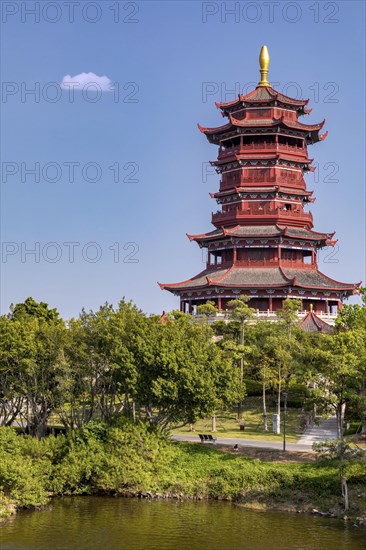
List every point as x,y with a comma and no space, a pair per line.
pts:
268,455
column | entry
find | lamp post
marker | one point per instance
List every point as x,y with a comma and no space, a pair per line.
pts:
284,418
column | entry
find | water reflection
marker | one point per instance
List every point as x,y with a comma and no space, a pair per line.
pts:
105,523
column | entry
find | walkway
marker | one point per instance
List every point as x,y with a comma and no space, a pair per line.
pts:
327,429
259,443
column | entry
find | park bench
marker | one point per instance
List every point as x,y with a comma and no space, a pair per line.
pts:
207,437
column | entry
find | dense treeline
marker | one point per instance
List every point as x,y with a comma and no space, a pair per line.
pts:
118,378
170,371
106,363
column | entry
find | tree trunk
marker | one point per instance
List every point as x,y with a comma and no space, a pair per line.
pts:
279,397
363,411
213,424
242,339
265,421
340,412
344,490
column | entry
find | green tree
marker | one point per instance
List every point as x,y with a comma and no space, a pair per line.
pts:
353,317
103,373
264,337
208,309
31,308
339,362
285,344
37,360
183,375
38,364
241,313
15,353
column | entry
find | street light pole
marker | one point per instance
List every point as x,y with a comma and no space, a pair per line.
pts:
284,418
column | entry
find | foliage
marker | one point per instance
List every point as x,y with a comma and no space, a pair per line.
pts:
183,375
108,362
118,361
354,315
130,458
31,365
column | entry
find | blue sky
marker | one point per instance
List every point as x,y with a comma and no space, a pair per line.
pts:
169,62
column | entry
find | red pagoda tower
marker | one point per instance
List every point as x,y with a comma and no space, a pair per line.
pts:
263,244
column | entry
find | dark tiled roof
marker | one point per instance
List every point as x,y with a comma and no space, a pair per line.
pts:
261,231
305,233
252,277
256,230
243,123
238,276
264,93
312,278
267,277
312,323
198,280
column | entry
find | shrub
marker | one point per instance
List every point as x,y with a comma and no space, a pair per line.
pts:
253,387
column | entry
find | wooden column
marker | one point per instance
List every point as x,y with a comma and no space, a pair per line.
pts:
270,304
219,303
190,307
234,255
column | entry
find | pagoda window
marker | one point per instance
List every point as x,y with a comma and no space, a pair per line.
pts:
287,206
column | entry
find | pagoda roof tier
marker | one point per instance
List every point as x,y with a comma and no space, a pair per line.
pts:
260,158
278,160
263,231
275,121
261,278
312,323
254,190
214,134
263,95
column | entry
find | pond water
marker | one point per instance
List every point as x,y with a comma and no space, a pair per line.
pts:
107,523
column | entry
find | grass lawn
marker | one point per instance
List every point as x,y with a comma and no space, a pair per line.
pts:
227,424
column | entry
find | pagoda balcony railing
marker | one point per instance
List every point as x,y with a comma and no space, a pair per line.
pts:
262,147
262,180
267,314
270,179
274,262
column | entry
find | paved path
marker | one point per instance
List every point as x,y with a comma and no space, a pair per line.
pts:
259,443
327,429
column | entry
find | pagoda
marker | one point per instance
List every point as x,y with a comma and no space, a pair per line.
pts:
263,244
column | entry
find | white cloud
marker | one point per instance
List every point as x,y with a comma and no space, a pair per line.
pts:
82,80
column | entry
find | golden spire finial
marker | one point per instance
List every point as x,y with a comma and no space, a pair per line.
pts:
264,64
311,308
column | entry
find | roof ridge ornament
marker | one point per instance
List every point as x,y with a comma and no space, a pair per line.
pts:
264,64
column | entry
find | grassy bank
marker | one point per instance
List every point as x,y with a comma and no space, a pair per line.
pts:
137,460
227,424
